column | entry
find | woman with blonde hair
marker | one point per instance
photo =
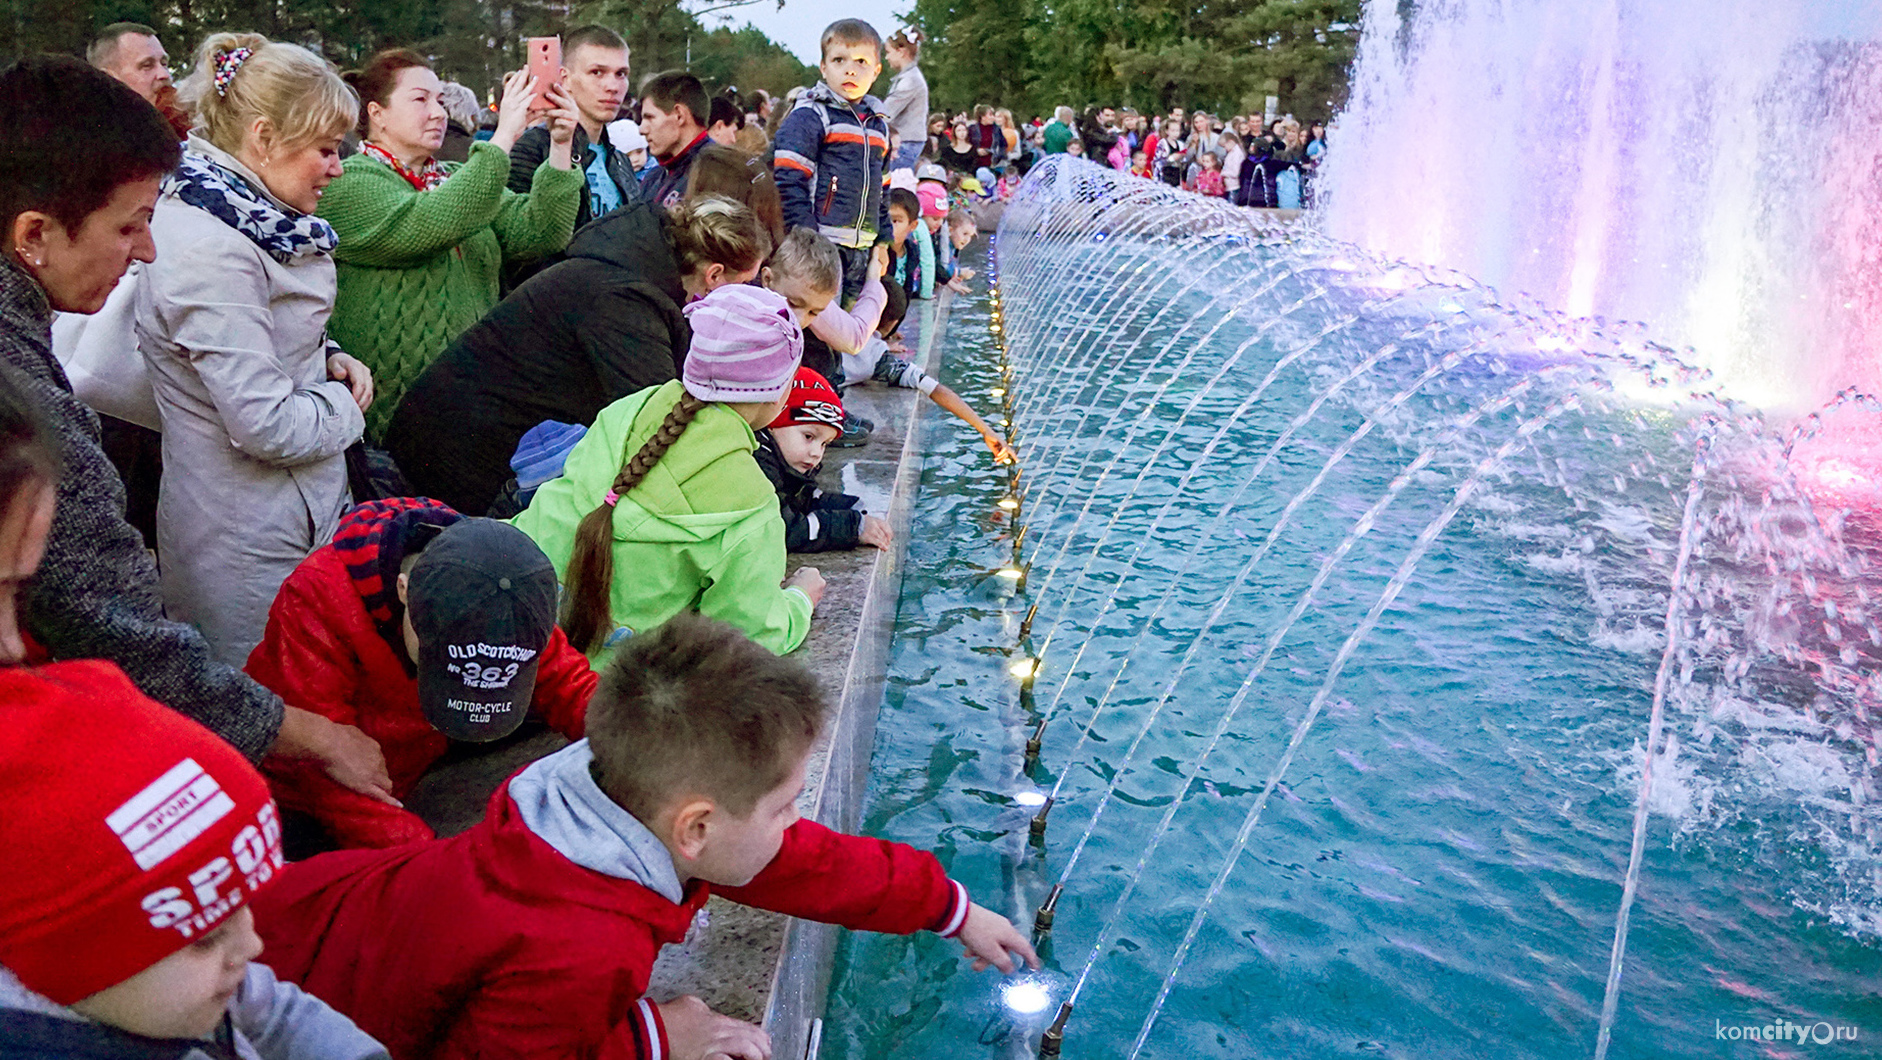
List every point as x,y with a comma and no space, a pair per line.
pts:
258,405
423,243
1004,118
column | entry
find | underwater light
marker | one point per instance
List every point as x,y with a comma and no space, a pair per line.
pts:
1009,503
1026,997
1030,799
998,391
1010,572
1025,666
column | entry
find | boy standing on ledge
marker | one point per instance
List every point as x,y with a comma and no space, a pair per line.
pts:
831,161
534,933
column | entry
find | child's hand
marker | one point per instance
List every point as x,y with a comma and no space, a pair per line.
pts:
695,1032
958,285
809,581
991,939
965,275
1002,452
876,532
879,261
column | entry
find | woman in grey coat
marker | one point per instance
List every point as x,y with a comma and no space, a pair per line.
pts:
258,405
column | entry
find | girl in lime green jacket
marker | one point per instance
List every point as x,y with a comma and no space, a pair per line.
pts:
661,508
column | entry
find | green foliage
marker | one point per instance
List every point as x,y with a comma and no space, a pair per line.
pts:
473,41
1220,55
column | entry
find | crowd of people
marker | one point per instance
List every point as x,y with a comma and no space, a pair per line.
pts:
345,421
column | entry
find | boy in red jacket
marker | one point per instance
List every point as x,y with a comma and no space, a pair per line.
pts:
418,626
533,934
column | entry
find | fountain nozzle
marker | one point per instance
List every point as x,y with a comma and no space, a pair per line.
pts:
1054,1038
1034,743
1043,922
1025,624
1039,820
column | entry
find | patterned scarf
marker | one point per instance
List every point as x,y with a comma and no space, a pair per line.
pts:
428,177
225,195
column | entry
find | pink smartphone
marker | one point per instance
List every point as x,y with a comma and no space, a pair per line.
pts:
545,65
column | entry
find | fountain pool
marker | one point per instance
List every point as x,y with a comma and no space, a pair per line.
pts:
1357,604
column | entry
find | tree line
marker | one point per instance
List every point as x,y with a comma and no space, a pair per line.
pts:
472,41
1226,56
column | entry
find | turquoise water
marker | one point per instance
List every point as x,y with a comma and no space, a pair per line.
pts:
1436,871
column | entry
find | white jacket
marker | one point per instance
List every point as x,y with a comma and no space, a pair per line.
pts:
254,476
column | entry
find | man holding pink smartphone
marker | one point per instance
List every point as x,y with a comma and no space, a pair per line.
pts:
593,71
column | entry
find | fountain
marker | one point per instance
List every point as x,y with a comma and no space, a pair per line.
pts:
1408,663
1710,166
1349,600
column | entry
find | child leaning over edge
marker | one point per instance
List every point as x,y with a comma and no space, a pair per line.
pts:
664,486
805,271
533,934
136,840
790,452
417,626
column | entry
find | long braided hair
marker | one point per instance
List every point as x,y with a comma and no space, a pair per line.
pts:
586,614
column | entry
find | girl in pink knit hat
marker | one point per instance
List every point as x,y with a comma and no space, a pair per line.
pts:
661,508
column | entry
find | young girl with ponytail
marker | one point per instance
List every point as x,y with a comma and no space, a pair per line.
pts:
663,491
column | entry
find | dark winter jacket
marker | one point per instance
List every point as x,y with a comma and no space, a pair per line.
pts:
336,646
814,521
1261,174
1097,139
831,163
533,146
577,336
95,596
665,184
533,934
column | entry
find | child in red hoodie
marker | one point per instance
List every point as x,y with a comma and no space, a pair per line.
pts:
533,934
418,626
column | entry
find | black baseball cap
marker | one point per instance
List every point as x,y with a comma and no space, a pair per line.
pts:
482,598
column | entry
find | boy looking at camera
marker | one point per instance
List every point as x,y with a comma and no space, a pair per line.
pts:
831,158
534,933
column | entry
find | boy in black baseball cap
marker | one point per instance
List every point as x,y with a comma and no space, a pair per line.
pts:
416,626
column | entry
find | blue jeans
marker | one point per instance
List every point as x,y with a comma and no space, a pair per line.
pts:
906,154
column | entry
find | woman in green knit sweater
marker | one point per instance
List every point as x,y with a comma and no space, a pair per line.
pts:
422,243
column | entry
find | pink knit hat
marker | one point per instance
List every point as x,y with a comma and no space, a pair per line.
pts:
746,345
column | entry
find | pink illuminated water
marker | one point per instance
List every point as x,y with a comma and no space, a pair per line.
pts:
1712,168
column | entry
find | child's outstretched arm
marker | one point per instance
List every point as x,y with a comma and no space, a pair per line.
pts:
949,400
992,941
